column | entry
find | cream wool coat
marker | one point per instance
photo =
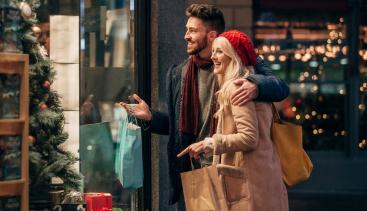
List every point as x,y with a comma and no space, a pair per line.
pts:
244,141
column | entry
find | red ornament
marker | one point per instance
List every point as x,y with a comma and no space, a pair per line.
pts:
32,139
47,84
43,107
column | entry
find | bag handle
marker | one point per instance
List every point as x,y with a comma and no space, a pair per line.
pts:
276,117
216,156
131,119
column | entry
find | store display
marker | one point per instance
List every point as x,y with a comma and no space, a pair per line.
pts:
10,157
9,96
10,203
9,39
98,201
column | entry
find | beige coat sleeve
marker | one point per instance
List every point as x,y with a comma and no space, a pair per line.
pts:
246,137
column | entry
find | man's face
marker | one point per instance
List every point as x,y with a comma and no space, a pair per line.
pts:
196,35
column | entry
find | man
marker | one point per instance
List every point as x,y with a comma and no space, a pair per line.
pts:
191,89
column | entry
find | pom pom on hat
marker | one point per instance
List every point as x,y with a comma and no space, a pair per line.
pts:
242,45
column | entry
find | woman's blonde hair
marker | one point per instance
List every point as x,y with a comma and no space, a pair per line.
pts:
235,70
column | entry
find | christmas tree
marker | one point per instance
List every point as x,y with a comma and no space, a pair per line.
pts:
47,158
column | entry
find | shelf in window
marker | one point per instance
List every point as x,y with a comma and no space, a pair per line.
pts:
11,126
11,188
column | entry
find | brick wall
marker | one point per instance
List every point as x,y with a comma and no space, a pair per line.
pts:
237,13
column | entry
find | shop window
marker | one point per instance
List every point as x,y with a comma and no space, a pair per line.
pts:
310,53
362,53
107,76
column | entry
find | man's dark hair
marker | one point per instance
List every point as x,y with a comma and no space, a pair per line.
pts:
209,14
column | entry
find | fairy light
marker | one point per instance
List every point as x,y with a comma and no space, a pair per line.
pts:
315,88
343,133
362,106
298,117
297,56
265,48
325,116
320,130
306,74
345,50
313,113
272,48
362,144
314,77
271,58
324,59
314,132
302,85
341,92
307,116
282,58
364,56
336,134
294,109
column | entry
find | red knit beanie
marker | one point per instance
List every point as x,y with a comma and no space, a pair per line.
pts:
242,45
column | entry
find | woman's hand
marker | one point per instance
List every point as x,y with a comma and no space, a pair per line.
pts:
194,150
140,110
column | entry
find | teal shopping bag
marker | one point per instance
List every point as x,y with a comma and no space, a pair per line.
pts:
97,157
129,156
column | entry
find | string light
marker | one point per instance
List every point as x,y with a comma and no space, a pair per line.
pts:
362,106
271,58
294,109
343,133
282,58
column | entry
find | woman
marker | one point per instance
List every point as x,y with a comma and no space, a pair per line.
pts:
243,137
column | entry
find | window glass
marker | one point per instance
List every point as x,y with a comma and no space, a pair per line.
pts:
107,77
310,53
363,85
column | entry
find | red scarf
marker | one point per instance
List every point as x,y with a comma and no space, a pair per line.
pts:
189,115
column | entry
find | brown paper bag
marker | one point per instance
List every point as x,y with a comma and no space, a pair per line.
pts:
203,190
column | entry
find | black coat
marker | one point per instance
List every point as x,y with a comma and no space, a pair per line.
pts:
270,89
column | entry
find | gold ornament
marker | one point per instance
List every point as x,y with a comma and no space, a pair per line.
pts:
25,10
36,31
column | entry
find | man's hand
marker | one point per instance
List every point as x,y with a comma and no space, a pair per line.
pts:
140,110
247,92
194,150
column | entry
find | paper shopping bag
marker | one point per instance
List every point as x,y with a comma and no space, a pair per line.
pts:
203,190
129,157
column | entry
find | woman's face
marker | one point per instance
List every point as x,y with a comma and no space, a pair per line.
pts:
220,60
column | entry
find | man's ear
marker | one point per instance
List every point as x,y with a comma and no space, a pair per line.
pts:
212,35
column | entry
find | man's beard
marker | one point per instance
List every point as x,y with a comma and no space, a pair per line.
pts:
201,46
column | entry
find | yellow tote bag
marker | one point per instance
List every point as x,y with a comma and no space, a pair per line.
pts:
295,163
